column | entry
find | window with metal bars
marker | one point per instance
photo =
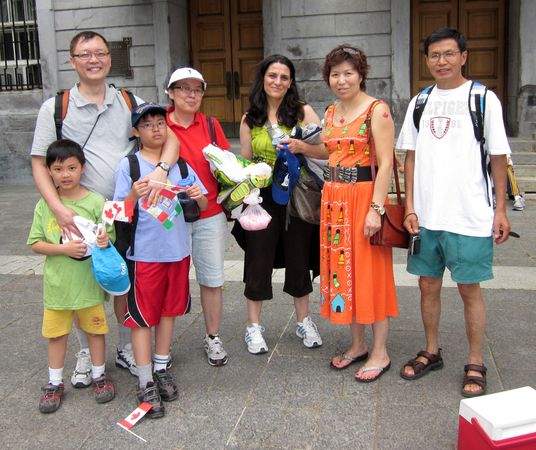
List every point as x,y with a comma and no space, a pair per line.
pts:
19,46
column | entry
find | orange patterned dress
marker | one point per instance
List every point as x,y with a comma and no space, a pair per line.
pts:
356,278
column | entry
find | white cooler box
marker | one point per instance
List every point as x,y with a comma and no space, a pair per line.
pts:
506,420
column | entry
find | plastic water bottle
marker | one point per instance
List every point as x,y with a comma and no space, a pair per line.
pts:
276,133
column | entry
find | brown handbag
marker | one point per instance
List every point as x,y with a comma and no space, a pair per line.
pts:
392,232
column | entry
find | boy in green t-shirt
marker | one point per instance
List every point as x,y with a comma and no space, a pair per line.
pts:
69,287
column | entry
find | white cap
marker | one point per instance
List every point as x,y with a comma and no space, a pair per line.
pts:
185,73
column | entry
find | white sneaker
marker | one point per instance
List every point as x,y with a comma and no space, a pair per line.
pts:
256,343
81,377
308,332
216,354
125,359
519,203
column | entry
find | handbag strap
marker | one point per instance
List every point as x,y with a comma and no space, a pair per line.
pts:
368,122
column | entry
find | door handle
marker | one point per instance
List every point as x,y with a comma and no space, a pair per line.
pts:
228,82
236,86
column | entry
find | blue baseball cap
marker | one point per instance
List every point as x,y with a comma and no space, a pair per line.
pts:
146,108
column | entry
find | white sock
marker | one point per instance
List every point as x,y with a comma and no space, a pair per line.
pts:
55,376
160,362
124,336
82,338
97,371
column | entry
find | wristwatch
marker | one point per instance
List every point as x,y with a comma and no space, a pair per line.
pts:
164,166
379,209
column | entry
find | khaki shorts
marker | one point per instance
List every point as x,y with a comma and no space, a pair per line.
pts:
58,322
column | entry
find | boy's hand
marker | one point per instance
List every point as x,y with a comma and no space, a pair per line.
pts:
75,249
194,192
141,188
102,238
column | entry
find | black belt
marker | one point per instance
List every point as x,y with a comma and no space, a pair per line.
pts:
348,174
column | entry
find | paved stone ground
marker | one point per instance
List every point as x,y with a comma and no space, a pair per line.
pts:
286,399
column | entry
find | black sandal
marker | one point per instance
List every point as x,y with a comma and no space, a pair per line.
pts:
435,362
471,379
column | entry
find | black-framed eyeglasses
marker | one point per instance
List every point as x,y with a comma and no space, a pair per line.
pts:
86,56
160,125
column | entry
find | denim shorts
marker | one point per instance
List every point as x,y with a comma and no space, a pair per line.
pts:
468,258
207,243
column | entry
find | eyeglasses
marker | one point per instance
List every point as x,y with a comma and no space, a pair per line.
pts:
448,55
86,56
160,125
188,90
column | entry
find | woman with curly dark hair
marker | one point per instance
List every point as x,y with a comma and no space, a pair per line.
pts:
275,108
356,278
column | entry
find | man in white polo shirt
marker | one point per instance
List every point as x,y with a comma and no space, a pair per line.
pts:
99,120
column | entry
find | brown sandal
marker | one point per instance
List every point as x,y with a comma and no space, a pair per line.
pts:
435,362
471,379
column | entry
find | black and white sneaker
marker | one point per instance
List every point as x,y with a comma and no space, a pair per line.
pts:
125,359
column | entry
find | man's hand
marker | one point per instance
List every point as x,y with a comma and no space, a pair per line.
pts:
501,227
65,218
411,223
75,249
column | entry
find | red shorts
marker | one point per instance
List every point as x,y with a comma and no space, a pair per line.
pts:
158,290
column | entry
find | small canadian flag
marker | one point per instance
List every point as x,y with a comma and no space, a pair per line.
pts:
120,211
136,415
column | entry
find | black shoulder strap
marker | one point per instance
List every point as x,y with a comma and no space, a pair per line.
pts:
420,103
211,130
477,109
134,168
61,103
182,168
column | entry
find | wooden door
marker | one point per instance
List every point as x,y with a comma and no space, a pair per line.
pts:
483,23
227,43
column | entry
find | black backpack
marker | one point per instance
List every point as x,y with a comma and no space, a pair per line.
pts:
477,108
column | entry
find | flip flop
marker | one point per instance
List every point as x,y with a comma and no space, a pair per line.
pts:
352,359
382,370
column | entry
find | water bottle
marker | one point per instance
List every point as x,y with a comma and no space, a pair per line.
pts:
276,134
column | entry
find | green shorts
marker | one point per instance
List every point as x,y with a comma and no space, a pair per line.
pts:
468,258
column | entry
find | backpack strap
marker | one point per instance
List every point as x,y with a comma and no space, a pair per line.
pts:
182,168
477,109
129,98
134,168
60,110
420,103
211,131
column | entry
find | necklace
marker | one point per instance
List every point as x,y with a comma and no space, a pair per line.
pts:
342,114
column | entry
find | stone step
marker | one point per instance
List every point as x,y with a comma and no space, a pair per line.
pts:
523,158
522,145
525,170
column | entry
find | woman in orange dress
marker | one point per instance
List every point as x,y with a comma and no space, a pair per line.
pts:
356,278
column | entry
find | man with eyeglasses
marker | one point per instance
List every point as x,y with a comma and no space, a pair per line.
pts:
186,88
99,120
447,202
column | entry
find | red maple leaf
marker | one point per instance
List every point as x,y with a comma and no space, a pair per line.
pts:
108,213
134,416
117,208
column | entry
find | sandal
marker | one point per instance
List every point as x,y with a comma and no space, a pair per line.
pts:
352,359
471,379
435,362
381,371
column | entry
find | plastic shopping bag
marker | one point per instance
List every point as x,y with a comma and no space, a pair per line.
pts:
254,217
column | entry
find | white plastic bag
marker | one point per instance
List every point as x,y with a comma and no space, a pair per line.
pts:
254,217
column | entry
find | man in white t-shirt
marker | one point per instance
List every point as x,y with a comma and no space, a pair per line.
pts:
448,202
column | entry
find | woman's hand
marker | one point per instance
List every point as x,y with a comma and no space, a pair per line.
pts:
294,145
373,223
141,188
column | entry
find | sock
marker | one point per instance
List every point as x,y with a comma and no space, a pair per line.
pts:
145,375
124,336
55,376
82,338
97,371
160,362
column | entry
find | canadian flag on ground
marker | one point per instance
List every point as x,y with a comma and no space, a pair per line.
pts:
120,211
136,415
